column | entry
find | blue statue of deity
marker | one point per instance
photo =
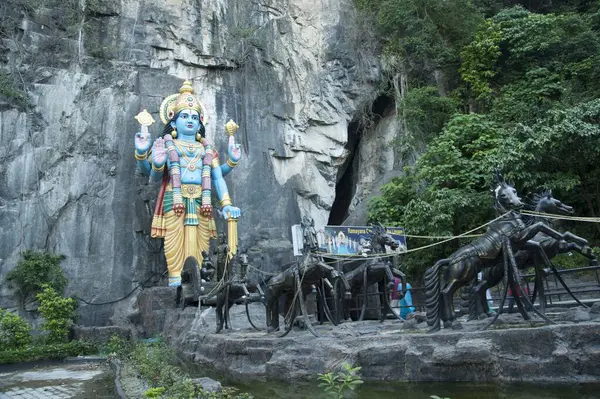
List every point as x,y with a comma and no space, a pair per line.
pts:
189,168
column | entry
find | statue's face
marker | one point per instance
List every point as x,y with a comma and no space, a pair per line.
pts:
187,122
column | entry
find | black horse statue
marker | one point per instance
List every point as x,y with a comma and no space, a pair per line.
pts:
548,248
506,233
297,281
237,289
378,270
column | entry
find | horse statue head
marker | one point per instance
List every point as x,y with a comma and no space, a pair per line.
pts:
242,269
546,203
505,195
380,238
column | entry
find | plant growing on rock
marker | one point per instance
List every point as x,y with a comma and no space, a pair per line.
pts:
36,269
343,381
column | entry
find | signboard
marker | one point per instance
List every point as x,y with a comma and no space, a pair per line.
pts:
355,240
297,239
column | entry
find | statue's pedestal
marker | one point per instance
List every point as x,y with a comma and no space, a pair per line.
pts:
514,350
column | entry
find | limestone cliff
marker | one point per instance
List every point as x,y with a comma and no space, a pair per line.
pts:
286,70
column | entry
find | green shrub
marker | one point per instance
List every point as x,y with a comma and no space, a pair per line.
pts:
58,313
117,345
156,392
45,352
154,361
34,270
15,332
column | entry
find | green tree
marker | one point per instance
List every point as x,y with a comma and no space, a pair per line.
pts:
448,190
425,35
426,112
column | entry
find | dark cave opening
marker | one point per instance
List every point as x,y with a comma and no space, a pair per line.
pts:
346,185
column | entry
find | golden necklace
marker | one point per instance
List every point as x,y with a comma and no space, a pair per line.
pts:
191,163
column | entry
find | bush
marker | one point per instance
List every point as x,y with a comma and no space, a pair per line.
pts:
44,352
58,313
15,332
34,270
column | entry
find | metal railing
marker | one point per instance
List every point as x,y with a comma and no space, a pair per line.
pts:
554,292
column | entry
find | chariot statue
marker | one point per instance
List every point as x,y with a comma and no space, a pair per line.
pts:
189,169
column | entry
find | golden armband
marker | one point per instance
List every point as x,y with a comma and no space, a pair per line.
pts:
142,157
154,168
226,200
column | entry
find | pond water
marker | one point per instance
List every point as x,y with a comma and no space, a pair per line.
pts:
424,390
412,390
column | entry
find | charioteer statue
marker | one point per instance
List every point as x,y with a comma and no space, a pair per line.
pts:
188,166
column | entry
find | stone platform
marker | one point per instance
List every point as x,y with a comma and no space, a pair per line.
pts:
57,380
512,350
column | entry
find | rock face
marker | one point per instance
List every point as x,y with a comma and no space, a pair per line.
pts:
390,351
285,70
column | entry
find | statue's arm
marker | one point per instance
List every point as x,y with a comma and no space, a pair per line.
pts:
234,154
228,210
156,173
142,144
225,168
142,162
151,161
220,185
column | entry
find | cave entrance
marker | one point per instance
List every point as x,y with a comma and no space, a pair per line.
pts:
346,184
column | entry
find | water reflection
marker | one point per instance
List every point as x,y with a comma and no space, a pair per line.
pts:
424,390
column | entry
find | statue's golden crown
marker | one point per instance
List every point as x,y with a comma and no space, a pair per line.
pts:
177,102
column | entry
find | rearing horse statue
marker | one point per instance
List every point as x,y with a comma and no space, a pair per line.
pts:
548,248
504,234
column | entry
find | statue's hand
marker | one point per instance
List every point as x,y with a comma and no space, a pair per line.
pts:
142,141
178,208
159,152
234,151
230,212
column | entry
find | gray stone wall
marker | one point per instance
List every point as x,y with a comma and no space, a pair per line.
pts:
285,70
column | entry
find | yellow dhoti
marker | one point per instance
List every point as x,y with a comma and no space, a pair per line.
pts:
186,235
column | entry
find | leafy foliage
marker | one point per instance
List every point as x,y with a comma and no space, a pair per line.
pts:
532,89
15,333
426,33
341,382
58,313
425,111
45,352
480,59
36,269
155,363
